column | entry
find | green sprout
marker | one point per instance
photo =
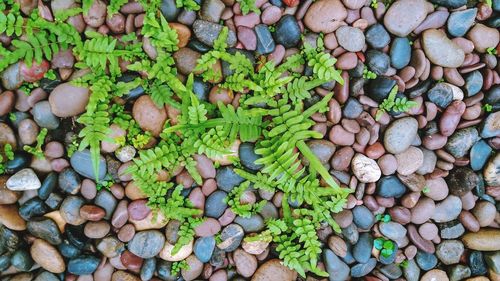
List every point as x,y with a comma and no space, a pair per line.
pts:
367,74
383,218
487,107
37,150
492,51
374,4
426,190
391,103
385,246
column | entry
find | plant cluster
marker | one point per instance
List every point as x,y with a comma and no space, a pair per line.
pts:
383,218
385,246
367,74
245,210
394,104
40,140
273,113
248,6
7,155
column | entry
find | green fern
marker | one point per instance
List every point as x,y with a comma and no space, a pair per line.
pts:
391,103
248,6
86,5
189,5
115,5
40,140
242,210
186,233
163,38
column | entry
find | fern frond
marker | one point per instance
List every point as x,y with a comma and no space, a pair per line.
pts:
115,5
190,5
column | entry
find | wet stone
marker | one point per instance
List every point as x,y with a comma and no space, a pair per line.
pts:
215,205
362,217
33,208
400,52
49,184
479,155
231,237
255,223
363,248
377,37
390,186
207,32
107,201
265,41
146,244
473,83
45,229
426,261
83,265
69,181
203,248
247,154
21,260
287,31
459,22
377,61
82,163
363,269
335,267
462,141
227,179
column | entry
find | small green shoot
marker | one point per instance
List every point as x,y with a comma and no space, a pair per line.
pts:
374,4
40,140
391,103
178,266
383,218
385,246
367,74
487,107
492,51
426,190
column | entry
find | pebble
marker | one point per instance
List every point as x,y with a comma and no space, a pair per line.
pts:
254,223
426,261
21,260
352,108
211,10
11,77
483,37
450,251
207,32
227,179
271,15
390,186
362,217
483,240
83,265
403,17
325,16
400,134
441,94
47,256
491,171
265,41
473,83
204,247
274,270
70,210
459,272
10,217
25,179
7,101
423,210
147,244
362,269
246,264
336,268
462,141
392,230
169,10
451,117
81,161
435,274
462,180
96,14
451,230
459,22
148,116
440,50
448,209
287,31
46,229
184,252
377,36
231,237
377,61
412,271
7,196
248,156
350,38
43,116
409,161
365,169
400,52
485,213
185,60
490,126
193,270
247,37
477,264
67,100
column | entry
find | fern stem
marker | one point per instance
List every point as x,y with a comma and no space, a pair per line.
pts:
315,164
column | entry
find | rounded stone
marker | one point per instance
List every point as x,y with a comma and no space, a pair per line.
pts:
47,256
67,100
